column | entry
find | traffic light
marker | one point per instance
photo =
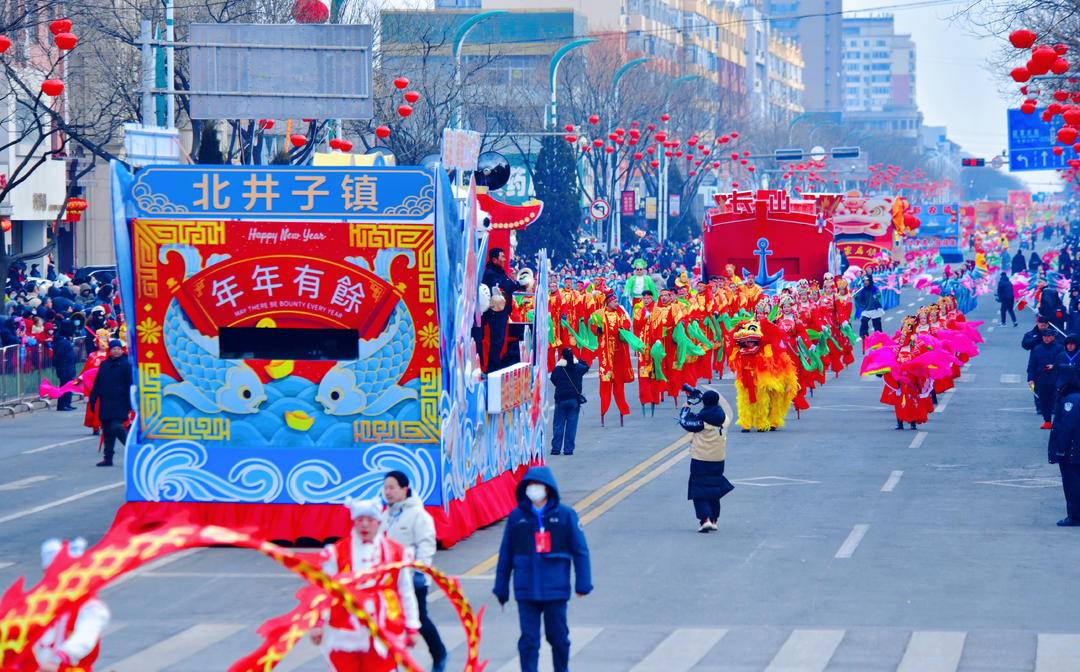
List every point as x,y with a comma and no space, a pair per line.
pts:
973,163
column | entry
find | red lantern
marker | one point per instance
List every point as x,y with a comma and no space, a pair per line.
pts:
1076,148
706,151
1072,116
692,173
734,156
734,135
334,142
298,140
52,87
382,132
613,136
570,138
654,163
650,127
746,152
620,132
401,83
60,26
1024,89
1027,108
266,124
665,117
678,153
310,11
661,136
569,128
5,224
669,153
743,161
1060,67
750,168
638,156
635,133
1047,116
1020,74
594,119
1067,135
1053,109
1022,39
650,151
723,139
1061,95
65,41
734,185
715,164
598,143
1061,49
74,209
609,149
345,146
404,110
693,140
412,96
5,44
1057,150
1043,57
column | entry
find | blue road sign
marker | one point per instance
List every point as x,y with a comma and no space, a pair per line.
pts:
1031,142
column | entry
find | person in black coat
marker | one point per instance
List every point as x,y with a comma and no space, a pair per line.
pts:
1007,298
1065,263
1068,362
1042,373
64,361
1019,264
498,321
1063,449
567,379
1034,262
1051,307
112,394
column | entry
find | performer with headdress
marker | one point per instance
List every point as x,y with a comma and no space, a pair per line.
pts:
613,354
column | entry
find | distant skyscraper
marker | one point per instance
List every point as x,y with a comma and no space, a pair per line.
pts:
817,26
879,76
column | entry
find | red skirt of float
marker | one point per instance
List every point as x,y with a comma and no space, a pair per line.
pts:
484,504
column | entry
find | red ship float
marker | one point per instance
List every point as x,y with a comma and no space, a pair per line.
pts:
768,236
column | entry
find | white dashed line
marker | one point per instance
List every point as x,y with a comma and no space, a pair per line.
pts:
890,484
917,441
59,445
847,549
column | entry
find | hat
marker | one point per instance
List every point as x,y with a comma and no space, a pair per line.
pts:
363,508
640,263
115,343
710,398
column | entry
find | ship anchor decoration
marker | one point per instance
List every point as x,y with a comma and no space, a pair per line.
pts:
763,277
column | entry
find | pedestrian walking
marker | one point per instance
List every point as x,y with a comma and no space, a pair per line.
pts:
1063,448
406,522
868,306
542,538
1034,262
708,451
567,378
1006,296
1042,374
112,396
64,362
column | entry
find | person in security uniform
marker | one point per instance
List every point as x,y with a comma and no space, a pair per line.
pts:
541,540
1063,449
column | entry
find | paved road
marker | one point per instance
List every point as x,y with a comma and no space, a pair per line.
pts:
846,545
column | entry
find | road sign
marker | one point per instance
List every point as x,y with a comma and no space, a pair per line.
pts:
599,209
1031,142
248,71
845,152
817,153
794,154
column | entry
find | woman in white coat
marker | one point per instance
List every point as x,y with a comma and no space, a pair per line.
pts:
406,522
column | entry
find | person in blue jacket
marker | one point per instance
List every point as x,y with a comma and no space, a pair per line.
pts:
1042,374
542,538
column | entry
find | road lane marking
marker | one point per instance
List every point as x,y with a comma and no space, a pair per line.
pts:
931,651
5,565
1057,653
60,502
917,440
59,445
890,484
1009,378
966,378
176,648
681,650
806,651
23,483
889,318
579,638
155,565
847,549
911,305
945,399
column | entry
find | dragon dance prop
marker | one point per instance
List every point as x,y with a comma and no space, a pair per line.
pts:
68,583
765,376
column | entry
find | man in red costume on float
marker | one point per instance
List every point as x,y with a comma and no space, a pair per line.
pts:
347,643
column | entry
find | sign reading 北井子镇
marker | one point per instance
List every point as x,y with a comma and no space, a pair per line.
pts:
243,192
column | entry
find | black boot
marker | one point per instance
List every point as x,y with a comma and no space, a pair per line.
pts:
105,463
913,426
899,424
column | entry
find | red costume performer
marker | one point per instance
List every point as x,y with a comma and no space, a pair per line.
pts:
649,391
73,641
347,644
613,355
89,372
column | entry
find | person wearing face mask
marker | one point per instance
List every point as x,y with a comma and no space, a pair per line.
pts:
541,539
407,523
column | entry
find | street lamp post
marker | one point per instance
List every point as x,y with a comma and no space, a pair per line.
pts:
459,40
552,116
616,193
662,211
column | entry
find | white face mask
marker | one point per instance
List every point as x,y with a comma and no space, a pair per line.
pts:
536,492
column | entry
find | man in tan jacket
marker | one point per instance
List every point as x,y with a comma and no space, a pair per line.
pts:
708,450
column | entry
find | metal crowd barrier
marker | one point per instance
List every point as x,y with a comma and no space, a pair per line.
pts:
22,368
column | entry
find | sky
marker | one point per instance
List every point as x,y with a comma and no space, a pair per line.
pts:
955,86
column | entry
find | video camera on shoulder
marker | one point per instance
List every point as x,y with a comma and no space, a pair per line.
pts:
693,394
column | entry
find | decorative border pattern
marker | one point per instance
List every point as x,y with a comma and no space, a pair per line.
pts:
414,206
156,426
424,430
419,238
148,201
151,234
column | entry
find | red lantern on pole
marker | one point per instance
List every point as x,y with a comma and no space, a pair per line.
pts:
75,207
401,83
665,117
310,11
594,119
382,132
570,138
1061,96
1022,39
734,135
404,110
661,137
654,163
298,140
638,156
598,143
412,96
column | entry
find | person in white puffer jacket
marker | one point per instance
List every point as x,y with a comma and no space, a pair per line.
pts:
406,522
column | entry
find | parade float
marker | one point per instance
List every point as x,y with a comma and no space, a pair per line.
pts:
863,226
300,331
768,236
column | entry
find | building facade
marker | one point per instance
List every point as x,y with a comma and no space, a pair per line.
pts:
774,70
879,77
816,26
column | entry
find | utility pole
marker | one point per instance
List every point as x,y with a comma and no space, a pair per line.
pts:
170,67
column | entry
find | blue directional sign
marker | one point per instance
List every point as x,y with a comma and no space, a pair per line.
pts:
1031,142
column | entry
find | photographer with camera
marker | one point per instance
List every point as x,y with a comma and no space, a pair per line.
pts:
567,379
708,450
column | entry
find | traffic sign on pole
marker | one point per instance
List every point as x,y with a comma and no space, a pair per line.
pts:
1031,142
599,209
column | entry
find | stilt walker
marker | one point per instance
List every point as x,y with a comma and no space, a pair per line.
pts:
613,354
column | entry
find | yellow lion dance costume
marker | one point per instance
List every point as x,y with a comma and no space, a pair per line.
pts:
765,376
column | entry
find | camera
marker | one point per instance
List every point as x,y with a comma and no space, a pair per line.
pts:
693,394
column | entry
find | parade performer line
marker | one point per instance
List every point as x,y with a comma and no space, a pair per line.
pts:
60,502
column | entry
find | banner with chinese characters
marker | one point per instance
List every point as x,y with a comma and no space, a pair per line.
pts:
285,362
939,228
